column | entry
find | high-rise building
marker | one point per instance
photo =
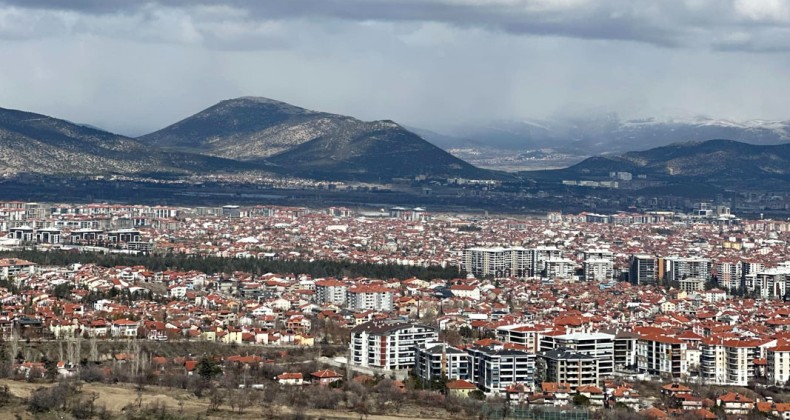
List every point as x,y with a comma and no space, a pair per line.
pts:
597,345
642,269
494,368
437,360
388,344
563,365
679,268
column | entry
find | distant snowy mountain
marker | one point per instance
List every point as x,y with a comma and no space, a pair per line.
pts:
607,134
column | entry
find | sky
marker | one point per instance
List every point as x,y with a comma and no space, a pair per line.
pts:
133,67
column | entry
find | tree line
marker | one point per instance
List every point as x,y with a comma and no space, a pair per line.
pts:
224,265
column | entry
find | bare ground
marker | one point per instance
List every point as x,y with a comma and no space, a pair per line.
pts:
184,404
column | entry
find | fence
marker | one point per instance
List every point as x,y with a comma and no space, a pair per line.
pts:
500,411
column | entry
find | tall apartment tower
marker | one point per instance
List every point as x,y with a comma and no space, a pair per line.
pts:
643,269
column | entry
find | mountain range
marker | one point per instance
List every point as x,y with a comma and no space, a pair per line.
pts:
264,135
34,143
605,134
724,164
238,134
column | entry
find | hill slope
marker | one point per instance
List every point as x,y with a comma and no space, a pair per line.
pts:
304,142
713,159
34,143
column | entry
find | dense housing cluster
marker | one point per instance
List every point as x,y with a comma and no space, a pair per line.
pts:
541,310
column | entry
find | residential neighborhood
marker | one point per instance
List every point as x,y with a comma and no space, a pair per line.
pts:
663,315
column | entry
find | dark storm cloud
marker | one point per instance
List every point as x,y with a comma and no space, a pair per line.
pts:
752,25
135,66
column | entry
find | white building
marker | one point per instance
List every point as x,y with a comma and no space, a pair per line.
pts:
377,298
598,345
569,367
522,334
330,291
494,368
661,355
437,360
778,370
388,344
731,362
465,291
679,268
598,269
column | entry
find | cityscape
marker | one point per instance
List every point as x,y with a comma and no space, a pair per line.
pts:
394,209
593,314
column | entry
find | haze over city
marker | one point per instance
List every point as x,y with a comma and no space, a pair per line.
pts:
133,67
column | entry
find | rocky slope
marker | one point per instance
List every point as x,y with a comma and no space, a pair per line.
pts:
309,143
34,143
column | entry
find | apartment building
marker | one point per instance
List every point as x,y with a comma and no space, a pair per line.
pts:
732,362
330,291
494,368
643,269
679,268
482,261
12,267
514,261
778,367
729,273
662,356
597,345
562,268
522,334
567,366
437,360
597,269
388,344
366,297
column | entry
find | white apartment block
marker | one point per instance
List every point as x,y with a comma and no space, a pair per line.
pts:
437,360
488,261
678,268
729,273
388,344
377,298
522,334
597,345
494,368
512,261
770,282
561,268
731,362
330,291
692,284
568,367
662,356
598,269
778,370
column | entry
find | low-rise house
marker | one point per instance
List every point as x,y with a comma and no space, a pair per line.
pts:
325,377
290,378
733,403
779,410
460,387
594,394
124,328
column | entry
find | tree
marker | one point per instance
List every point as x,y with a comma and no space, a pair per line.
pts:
207,369
580,400
477,395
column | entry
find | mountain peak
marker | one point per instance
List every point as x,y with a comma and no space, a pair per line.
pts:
306,142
